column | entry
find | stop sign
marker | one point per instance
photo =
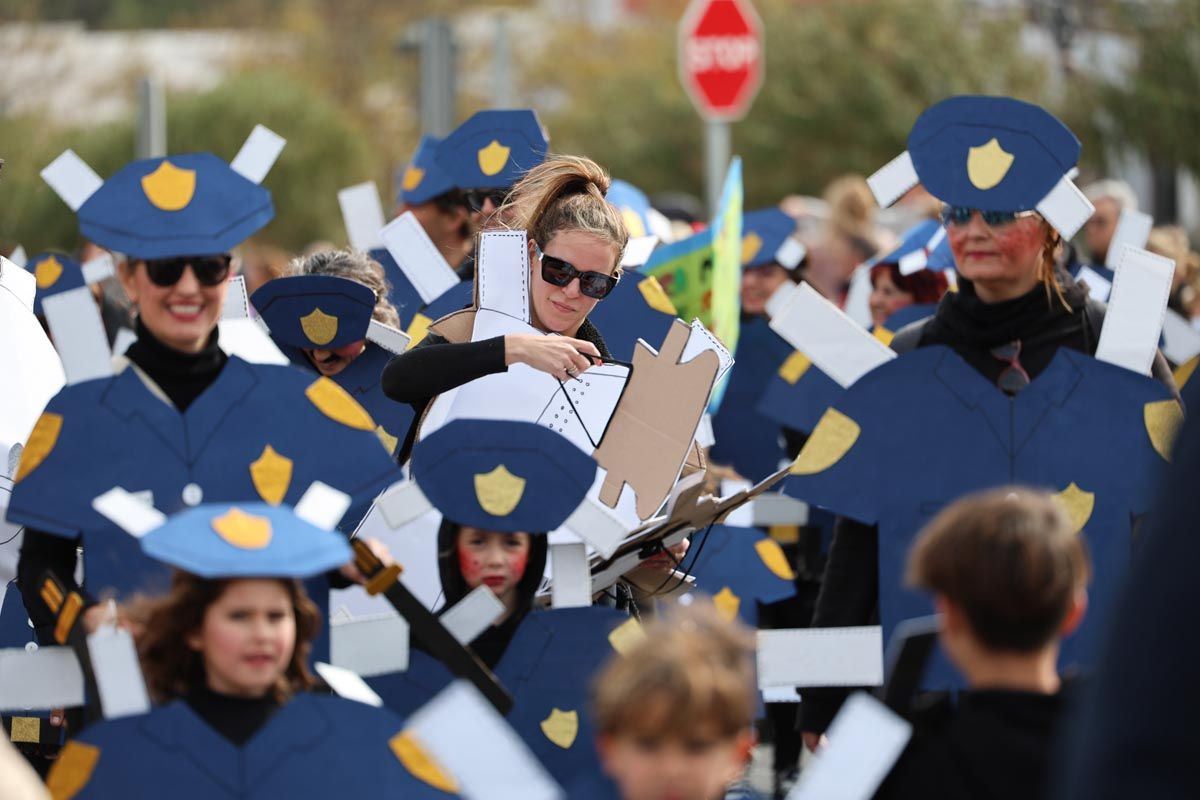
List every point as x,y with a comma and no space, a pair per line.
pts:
721,57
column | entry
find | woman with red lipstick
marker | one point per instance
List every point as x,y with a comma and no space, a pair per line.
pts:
576,238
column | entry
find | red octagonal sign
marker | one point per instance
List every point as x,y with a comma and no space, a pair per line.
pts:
721,56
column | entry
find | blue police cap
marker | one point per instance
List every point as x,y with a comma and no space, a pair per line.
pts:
54,273
991,153
633,205
193,204
315,311
764,234
924,246
423,179
493,149
243,540
501,475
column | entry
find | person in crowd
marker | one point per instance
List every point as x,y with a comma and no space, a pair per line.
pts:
893,291
1009,575
575,243
846,239
261,263
1172,241
1013,314
1110,197
675,714
179,419
442,209
224,654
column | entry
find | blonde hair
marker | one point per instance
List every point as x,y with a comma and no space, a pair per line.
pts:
566,193
693,671
355,266
1048,266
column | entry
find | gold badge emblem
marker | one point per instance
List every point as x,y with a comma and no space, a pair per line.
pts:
72,770
751,244
493,158
41,441
422,766
833,437
412,178
1162,419
319,327
727,603
561,727
499,491
48,272
773,556
418,327
988,164
336,403
242,530
272,475
626,635
1078,503
169,188
884,335
794,367
389,441
656,296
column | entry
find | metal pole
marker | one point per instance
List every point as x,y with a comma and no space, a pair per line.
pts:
502,90
152,119
437,76
716,162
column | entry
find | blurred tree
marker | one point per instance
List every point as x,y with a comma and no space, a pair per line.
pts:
844,83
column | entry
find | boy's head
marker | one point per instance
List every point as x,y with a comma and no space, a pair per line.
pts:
675,713
1008,570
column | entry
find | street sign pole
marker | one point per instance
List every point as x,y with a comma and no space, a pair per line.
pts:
716,162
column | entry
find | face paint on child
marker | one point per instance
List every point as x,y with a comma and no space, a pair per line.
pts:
495,560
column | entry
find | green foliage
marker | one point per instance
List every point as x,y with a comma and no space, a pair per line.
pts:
325,152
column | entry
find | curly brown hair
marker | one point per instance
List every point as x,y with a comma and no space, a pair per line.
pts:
172,669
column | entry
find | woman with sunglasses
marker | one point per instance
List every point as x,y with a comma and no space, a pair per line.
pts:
999,165
179,420
576,238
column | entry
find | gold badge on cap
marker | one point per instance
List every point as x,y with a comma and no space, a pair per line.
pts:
319,327
493,158
412,178
988,164
751,244
499,491
169,188
242,530
48,272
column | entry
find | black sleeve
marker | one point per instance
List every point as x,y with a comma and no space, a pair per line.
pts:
42,552
435,366
849,594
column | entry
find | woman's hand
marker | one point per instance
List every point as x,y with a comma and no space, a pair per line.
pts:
350,570
666,561
559,356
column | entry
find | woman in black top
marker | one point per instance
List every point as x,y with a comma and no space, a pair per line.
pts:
575,243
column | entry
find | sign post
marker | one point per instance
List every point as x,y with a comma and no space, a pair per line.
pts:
721,68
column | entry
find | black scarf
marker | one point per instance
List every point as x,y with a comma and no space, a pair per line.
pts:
235,718
181,376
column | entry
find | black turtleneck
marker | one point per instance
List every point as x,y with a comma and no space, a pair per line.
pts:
235,718
182,376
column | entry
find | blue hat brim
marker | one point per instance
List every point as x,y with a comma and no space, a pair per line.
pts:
284,303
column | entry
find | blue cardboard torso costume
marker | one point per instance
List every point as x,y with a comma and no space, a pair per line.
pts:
637,308
740,568
1094,433
55,273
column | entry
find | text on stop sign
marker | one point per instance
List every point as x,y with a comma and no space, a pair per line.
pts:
721,53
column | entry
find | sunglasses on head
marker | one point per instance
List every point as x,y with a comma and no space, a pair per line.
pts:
477,197
961,215
595,285
209,270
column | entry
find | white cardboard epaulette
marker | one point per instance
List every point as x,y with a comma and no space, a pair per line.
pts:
637,251
45,677
598,525
821,657
237,302
362,214
100,268
893,179
391,339
79,336
418,257
370,646
322,505
258,153
1133,229
1136,309
72,179
1099,287
1066,208
347,684
1181,341
128,512
19,282
472,615
836,344
118,672
248,340
865,740
18,256
571,573
487,759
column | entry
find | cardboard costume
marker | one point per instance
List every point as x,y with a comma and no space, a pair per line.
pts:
423,179
1094,433
741,568
308,312
637,309
55,273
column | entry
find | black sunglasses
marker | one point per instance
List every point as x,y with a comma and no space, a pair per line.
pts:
596,285
477,197
961,215
209,270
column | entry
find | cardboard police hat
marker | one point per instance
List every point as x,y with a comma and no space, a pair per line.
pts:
243,540
315,311
993,154
493,149
924,246
500,475
54,273
423,179
634,206
767,238
193,204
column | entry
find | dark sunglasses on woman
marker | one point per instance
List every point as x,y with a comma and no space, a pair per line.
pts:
961,215
595,285
477,197
209,270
